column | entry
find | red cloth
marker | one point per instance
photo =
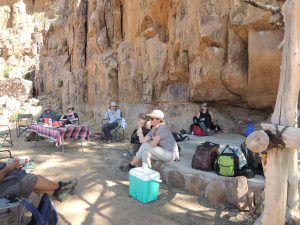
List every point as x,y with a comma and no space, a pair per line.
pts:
72,132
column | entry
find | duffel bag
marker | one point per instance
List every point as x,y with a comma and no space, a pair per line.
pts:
205,155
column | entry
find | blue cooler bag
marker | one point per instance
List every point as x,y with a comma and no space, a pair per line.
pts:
144,184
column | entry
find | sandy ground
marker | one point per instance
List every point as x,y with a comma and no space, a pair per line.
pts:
101,196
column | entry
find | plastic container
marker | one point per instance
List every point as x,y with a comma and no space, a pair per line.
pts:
46,120
144,184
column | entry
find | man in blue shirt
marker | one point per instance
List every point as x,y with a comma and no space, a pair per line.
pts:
112,115
47,113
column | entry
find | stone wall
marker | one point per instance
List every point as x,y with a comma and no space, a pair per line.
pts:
168,54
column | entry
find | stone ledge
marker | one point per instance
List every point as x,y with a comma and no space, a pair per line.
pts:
244,194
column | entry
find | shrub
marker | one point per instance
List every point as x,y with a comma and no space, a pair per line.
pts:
6,72
13,117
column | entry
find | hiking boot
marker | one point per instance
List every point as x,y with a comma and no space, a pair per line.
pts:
64,185
126,168
62,194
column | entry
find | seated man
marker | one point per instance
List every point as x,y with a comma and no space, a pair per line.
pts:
112,115
158,144
71,116
47,114
15,182
135,143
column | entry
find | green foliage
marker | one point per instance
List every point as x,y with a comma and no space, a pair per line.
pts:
60,83
40,18
6,72
27,76
54,7
13,117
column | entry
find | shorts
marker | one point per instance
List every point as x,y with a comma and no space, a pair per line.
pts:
22,188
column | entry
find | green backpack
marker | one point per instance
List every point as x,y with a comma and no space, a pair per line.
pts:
227,163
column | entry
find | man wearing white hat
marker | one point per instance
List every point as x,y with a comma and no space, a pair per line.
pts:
112,115
158,144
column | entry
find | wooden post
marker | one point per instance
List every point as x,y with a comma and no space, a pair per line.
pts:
284,114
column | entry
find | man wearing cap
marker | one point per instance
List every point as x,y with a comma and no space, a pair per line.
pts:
158,144
112,115
48,113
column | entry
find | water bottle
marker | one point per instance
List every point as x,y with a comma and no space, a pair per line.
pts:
50,121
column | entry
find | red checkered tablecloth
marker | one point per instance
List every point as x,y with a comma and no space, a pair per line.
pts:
72,132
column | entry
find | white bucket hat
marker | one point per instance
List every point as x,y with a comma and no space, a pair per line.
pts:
156,114
113,104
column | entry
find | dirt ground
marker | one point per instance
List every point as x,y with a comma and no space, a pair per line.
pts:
101,196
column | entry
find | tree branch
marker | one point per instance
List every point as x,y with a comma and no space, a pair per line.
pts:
265,7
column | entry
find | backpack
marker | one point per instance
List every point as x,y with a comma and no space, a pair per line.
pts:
246,171
205,155
134,139
198,131
44,214
179,137
253,159
227,164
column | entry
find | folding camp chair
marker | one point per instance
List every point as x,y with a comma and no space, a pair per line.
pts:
22,122
5,136
7,204
117,132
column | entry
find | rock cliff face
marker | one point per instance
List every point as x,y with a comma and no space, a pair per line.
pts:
167,54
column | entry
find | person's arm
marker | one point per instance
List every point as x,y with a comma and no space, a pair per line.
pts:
9,167
118,114
53,116
213,118
76,115
40,117
155,140
141,136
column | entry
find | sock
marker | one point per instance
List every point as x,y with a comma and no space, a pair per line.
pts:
130,166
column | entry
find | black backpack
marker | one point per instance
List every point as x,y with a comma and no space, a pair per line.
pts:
253,159
179,137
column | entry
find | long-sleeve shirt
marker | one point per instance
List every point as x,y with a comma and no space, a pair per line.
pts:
48,115
113,116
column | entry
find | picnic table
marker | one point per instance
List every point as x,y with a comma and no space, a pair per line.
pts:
58,135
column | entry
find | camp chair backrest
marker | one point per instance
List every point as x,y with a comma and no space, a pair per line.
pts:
23,120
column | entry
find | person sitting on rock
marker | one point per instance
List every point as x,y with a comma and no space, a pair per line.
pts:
112,116
48,113
17,183
71,116
135,143
205,117
158,144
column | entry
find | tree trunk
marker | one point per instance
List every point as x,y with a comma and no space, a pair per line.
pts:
284,114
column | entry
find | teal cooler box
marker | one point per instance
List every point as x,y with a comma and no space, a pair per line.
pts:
144,184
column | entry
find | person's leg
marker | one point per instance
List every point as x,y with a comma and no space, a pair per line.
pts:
43,185
157,153
107,130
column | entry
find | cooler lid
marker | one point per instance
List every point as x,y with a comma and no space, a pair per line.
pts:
145,174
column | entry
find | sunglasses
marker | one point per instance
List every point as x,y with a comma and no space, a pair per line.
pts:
153,118
205,106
